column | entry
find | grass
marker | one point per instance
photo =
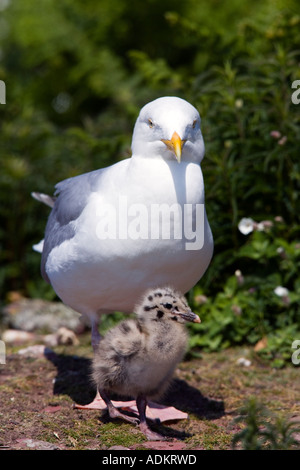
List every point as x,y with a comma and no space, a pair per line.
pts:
212,389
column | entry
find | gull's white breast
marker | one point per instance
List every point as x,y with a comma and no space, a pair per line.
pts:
93,274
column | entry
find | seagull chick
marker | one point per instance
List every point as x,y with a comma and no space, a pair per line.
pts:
138,356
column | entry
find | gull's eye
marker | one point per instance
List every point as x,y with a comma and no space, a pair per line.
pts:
194,123
151,123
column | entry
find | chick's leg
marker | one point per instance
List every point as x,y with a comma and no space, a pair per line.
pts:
156,412
141,403
114,412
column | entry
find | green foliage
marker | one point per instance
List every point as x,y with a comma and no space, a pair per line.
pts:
248,308
76,74
264,431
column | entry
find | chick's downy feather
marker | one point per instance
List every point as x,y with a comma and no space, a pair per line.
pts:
138,357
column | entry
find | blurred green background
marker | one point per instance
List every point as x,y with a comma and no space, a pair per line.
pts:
76,75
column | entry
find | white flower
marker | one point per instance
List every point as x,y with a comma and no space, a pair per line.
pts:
275,134
236,310
228,144
239,103
281,251
283,140
239,276
246,225
260,227
265,224
281,291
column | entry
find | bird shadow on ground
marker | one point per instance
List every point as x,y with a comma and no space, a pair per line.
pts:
184,397
73,379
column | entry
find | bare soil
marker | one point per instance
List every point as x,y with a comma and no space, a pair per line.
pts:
37,397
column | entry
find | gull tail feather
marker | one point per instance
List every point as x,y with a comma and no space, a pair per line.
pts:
44,198
39,246
49,201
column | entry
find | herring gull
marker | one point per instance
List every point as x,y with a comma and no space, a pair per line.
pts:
114,232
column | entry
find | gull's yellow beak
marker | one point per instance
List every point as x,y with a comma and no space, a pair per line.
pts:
175,145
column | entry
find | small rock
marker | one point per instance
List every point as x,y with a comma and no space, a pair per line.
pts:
50,340
35,351
66,336
17,337
242,361
118,448
62,336
37,445
52,409
37,314
164,445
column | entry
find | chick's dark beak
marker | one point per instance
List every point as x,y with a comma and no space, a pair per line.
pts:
188,316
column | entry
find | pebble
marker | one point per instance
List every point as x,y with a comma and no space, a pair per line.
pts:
35,351
242,361
63,336
37,314
17,337
37,445
118,448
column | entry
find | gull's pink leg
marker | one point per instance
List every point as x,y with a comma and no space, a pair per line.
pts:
96,337
99,403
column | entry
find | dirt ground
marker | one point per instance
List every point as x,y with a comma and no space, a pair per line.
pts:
37,397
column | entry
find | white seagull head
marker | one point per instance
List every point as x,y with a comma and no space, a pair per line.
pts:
168,128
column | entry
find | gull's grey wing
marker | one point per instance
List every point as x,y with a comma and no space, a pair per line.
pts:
71,198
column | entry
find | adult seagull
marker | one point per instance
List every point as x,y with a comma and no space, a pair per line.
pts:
140,223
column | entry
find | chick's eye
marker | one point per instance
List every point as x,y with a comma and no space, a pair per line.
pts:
151,123
194,123
168,306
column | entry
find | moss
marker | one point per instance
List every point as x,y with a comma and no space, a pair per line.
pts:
112,434
210,389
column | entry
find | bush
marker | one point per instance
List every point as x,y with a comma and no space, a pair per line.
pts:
260,300
263,430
